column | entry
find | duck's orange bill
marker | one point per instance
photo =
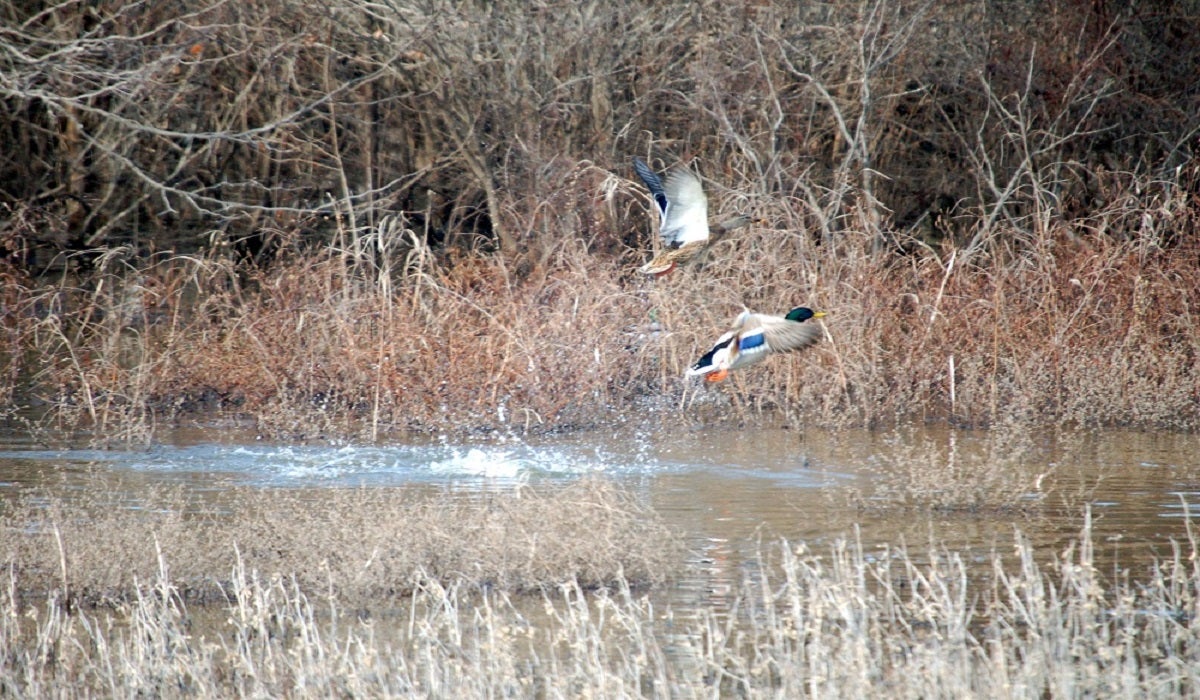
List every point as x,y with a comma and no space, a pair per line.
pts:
716,376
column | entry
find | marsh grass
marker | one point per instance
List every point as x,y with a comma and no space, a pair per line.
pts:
838,623
384,335
360,545
939,472
423,240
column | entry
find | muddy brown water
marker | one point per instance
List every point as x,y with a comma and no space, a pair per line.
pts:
730,491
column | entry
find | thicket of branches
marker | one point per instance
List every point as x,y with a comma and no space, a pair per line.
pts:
200,123
423,213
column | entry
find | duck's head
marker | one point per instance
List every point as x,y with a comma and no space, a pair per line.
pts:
735,222
803,313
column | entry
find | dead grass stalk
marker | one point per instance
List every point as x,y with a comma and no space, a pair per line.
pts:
833,624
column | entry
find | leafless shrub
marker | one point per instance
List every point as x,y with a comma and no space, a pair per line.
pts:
405,229
256,119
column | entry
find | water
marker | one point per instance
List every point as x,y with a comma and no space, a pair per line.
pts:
728,490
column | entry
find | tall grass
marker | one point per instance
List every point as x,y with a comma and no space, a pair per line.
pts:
820,624
421,217
377,340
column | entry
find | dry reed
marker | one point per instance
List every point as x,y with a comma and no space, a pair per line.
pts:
406,236
362,545
833,624
1097,335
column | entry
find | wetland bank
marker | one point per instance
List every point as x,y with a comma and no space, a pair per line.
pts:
389,237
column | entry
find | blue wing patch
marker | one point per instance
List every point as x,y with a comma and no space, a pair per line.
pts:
752,343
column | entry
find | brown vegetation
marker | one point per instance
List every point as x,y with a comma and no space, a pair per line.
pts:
366,547
353,220
1097,334
841,623
361,218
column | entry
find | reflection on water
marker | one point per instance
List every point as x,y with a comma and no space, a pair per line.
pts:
730,491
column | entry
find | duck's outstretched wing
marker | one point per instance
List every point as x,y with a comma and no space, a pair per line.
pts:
686,220
682,205
782,335
655,185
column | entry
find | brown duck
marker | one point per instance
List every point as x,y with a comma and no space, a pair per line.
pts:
683,224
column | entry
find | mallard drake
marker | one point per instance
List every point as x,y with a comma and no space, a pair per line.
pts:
683,226
755,336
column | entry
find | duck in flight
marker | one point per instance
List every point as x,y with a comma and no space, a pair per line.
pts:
683,211
754,337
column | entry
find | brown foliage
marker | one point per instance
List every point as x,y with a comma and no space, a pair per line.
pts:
388,226
1080,332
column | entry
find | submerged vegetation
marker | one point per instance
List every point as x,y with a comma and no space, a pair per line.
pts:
385,227
365,546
